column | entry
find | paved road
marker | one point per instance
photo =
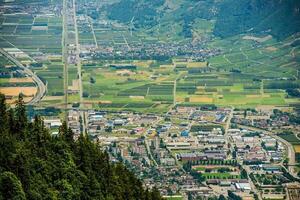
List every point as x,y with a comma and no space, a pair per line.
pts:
39,83
149,152
78,60
93,31
65,56
227,126
78,63
289,147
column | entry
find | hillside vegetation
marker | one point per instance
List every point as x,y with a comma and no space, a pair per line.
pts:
34,165
278,18
143,13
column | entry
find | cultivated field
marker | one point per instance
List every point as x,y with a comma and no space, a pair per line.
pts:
250,71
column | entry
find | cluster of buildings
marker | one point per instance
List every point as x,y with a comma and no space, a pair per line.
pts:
254,147
157,147
267,119
75,122
147,51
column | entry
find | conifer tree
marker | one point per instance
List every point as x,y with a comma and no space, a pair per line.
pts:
10,187
37,166
20,117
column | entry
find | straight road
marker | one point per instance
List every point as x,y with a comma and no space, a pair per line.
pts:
39,83
228,122
78,62
93,31
65,56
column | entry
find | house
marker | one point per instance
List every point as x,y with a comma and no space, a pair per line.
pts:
243,186
185,133
168,161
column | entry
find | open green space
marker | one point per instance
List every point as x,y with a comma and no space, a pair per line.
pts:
290,137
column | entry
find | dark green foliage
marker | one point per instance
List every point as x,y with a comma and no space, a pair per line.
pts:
244,174
233,196
210,127
281,85
92,80
290,137
10,187
280,18
221,197
34,165
143,12
293,92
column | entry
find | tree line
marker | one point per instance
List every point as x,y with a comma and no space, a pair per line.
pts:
36,165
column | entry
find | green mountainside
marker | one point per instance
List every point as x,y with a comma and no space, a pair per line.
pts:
144,13
34,165
279,18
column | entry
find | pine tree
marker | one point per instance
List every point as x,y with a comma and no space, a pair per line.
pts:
155,195
10,187
39,166
3,114
20,117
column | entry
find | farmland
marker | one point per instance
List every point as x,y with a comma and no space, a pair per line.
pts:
241,79
290,137
39,40
239,70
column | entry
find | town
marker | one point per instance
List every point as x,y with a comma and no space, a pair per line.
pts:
196,151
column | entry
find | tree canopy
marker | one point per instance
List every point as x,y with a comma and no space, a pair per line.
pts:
35,165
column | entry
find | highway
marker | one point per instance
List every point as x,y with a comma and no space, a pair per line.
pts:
39,83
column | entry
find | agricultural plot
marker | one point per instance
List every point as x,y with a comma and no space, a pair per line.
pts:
255,58
53,77
290,137
196,87
40,38
240,90
12,83
232,78
127,90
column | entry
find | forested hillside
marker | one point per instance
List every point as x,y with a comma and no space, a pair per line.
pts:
34,165
279,18
144,13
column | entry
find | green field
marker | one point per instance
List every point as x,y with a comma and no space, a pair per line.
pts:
245,74
136,89
290,137
173,198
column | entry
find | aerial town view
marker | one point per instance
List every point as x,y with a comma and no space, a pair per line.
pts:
150,100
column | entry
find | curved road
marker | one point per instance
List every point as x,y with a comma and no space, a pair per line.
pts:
290,149
39,83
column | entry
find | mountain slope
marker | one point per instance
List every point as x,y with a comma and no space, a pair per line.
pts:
279,18
144,13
